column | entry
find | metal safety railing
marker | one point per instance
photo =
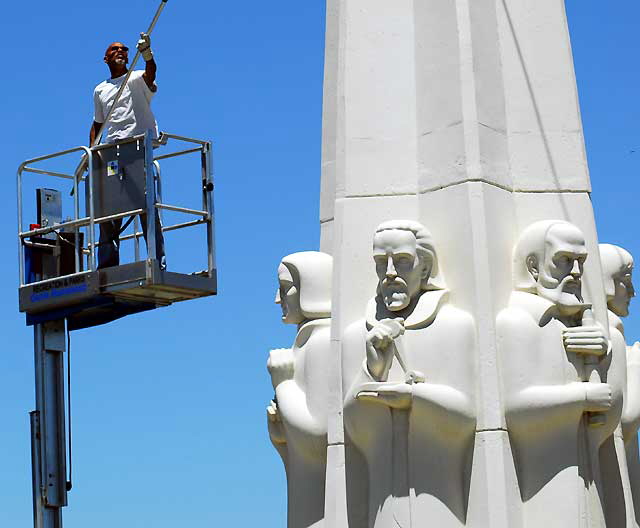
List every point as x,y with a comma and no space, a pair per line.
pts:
154,201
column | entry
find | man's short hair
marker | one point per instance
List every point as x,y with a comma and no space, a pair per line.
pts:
425,248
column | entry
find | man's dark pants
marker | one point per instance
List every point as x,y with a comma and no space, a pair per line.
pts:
109,244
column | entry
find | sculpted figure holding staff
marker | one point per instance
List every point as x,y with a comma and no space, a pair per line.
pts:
562,377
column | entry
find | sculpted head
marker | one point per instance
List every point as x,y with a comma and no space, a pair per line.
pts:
406,263
617,270
549,261
304,291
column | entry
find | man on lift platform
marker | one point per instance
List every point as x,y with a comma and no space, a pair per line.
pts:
131,116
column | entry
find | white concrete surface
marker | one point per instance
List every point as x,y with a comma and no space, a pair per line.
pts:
463,117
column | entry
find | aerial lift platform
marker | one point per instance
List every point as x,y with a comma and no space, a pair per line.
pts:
61,288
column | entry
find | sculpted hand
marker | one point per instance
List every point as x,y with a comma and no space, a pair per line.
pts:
383,334
393,395
273,415
589,340
281,365
379,352
144,47
276,430
598,397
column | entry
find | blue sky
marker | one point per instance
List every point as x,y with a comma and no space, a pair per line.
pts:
169,426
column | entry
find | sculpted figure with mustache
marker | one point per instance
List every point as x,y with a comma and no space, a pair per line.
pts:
563,380
408,381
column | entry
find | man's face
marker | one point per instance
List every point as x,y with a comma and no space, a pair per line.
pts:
624,292
400,271
288,297
117,53
559,277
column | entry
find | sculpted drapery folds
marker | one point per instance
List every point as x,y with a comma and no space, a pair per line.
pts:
617,270
297,417
408,381
562,377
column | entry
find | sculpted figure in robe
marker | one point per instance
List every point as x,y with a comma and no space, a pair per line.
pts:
409,384
617,269
297,416
562,380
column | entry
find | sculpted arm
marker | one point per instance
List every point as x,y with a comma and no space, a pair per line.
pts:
631,416
292,402
540,406
354,361
451,405
530,405
299,424
443,405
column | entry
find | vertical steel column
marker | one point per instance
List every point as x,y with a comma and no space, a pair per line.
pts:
92,215
21,263
48,447
207,205
151,196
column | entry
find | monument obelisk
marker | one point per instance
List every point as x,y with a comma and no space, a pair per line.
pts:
464,116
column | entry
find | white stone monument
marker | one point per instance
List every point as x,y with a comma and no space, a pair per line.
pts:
473,377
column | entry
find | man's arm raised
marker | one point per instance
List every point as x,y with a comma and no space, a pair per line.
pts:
149,75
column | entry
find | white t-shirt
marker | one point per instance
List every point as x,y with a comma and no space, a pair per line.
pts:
132,115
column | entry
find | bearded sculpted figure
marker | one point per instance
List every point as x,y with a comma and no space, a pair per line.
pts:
562,379
297,416
617,270
408,380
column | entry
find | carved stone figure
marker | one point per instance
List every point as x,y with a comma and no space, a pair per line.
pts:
562,379
408,374
617,269
297,417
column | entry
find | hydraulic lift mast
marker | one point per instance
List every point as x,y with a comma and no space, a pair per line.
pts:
48,439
